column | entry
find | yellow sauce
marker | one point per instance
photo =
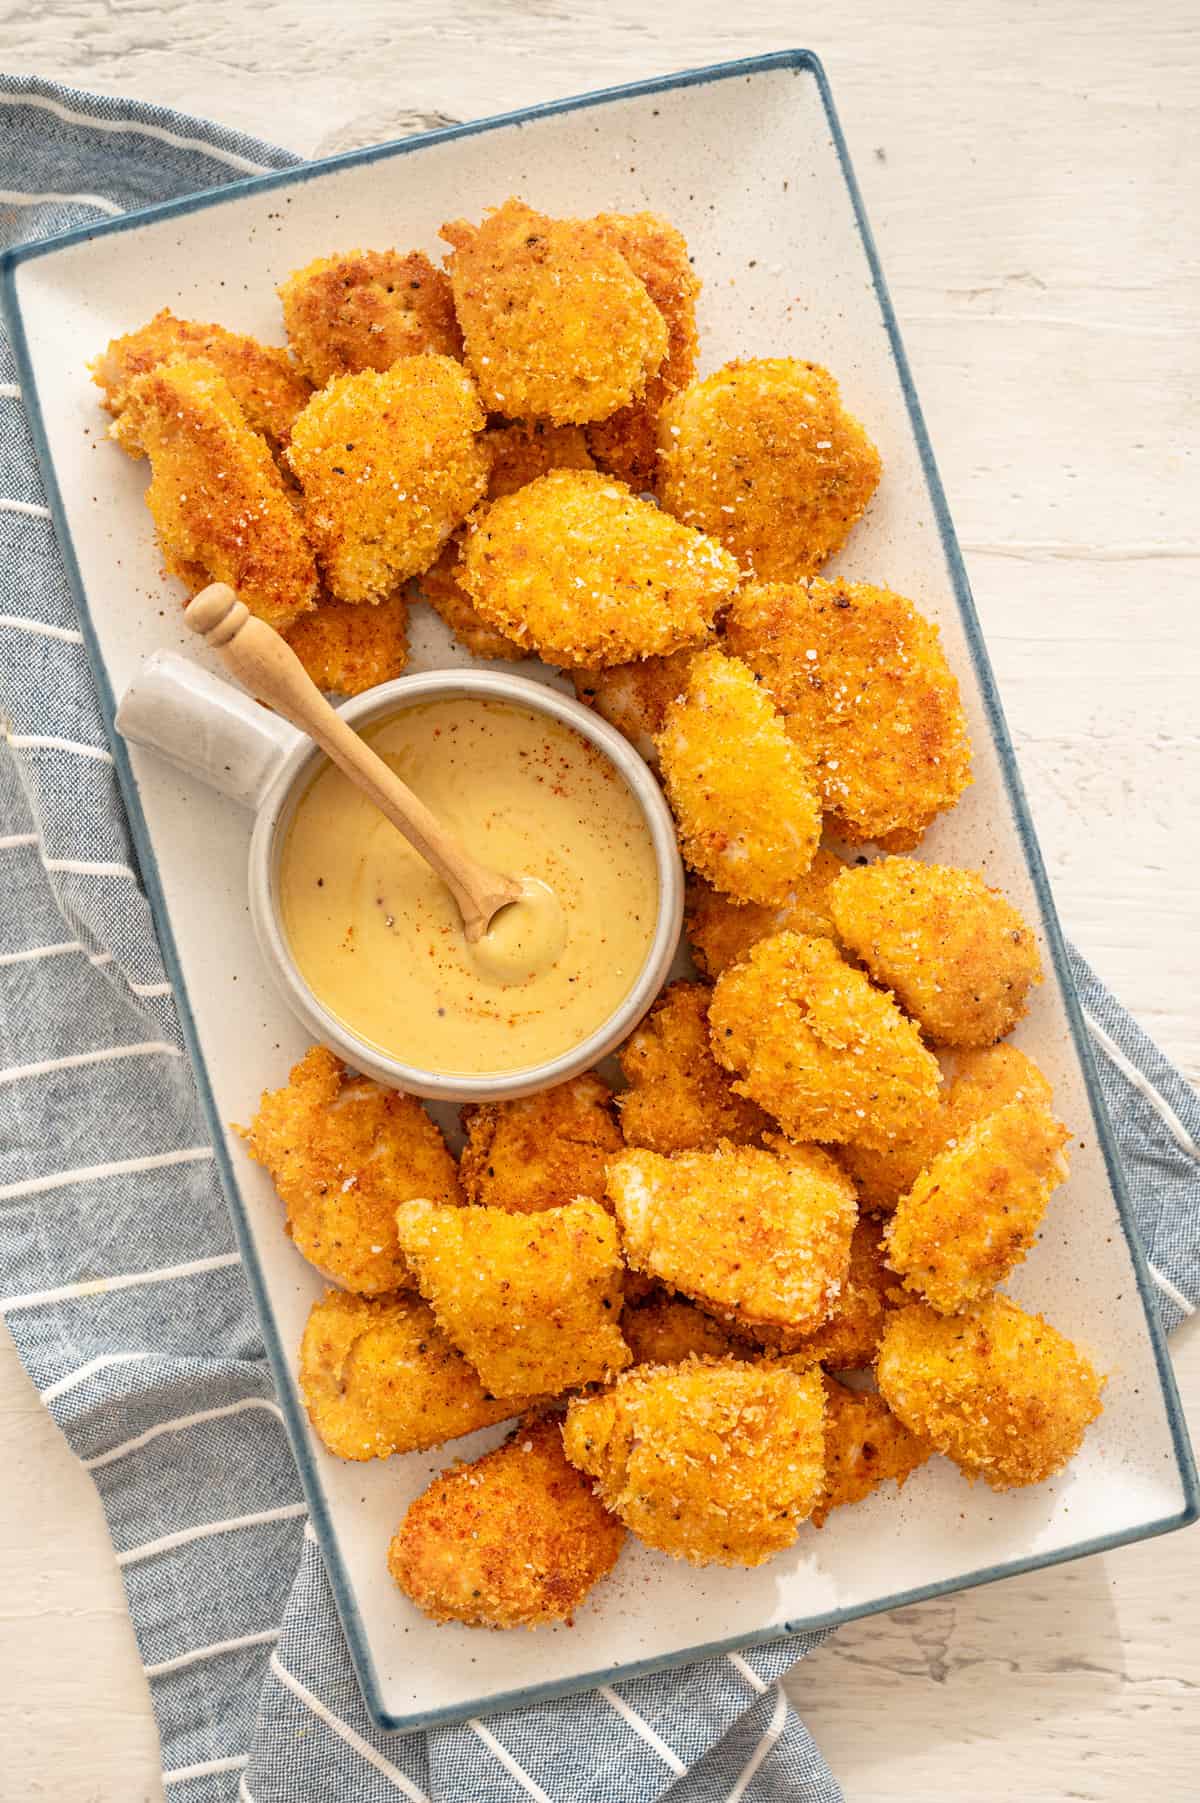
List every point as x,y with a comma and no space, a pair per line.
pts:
378,938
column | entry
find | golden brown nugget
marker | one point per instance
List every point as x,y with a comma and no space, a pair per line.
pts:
761,1240
956,952
218,501
973,1215
812,1042
635,697
721,931
764,456
262,378
865,1446
512,1540
626,444
390,463
364,309
716,1462
378,1376
664,1329
533,1301
864,682
679,1099
439,585
542,1150
999,1391
849,1339
347,648
556,323
742,793
342,1152
579,570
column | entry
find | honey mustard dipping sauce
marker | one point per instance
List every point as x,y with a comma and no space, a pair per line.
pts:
378,938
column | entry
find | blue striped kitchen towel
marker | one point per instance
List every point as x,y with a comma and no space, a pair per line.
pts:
118,1272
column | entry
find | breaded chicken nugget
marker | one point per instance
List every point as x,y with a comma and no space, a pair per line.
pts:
957,953
717,1462
635,697
742,792
973,1215
721,931
864,682
849,1339
390,463
342,1152
348,648
764,456
439,585
865,1446
761,1240
379,1376
679,1099
218,501
533,1301
579,570
812,1042
997,1390
542,1150
512,1540
263,380
626,444
665,1329
557,325
364,309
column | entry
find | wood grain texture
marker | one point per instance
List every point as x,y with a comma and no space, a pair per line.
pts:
1030,174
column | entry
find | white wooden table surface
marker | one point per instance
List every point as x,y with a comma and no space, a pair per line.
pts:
1031,172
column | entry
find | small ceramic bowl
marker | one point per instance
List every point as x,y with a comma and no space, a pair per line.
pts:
216,732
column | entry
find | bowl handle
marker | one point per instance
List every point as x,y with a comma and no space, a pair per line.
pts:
205,726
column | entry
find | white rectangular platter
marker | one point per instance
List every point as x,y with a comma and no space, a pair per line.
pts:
748,161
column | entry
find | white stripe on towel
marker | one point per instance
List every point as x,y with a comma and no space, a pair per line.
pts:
167,1543
16,197
130,1280
207,1768
36,741
67,633
65,113
36,951
88,867
345,1732
761,1750
11,841
198,1654
1143,1085
643,1728
31,508
244,1793
509,1763
102,1363
120,1167
102,1055
748,1672
9,391
179,1422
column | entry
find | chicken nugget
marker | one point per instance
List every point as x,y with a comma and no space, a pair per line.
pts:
761,1240
440,586
869,696
378,1376
665,1329
348,648
556,323
365,308
533,1301
973,1215
542,1150
219,504
262,378
849,1339
390,463
721,931
716,1462
512,1540
679,1099
342,1152
742,792
635,697
764,456
999,1391
812,1042
865,1446
626,444
956,952
577,569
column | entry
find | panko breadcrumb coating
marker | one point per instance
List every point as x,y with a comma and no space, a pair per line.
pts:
218,501
716,1462
761,1240
664,1329
348,648
849,1339
262,378
542,1150
742,792
556,323
390,463
439,585
997,1390
679,1099
626,444
865,1445
721,931
864,681
764,456
812,1042
955,951
575,567
342,1152
635,697
533,1301
378,1376
512,1540
973,1215
364,309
